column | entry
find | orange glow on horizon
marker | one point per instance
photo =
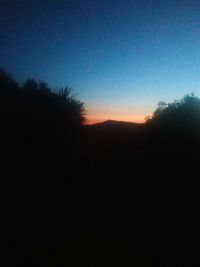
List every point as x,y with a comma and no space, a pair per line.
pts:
98,113
92,119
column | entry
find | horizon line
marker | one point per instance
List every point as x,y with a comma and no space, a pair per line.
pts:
92,122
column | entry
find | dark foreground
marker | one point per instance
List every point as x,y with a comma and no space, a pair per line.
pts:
119,201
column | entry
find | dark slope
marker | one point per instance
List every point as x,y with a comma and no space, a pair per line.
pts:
116,125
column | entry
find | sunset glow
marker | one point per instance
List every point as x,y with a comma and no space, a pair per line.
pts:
92,119
119,59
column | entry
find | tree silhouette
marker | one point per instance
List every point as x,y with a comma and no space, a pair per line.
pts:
184,111
180,118
38,120
40,96
40,138
174,131
74,106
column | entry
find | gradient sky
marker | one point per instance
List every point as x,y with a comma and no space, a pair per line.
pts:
120,57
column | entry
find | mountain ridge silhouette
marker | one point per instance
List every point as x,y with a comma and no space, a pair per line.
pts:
115,123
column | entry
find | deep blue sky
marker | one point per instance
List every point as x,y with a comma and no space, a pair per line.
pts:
119,57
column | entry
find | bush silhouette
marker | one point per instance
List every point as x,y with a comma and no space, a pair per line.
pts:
173,134
40,101
178,113
39,124
179,119
40,138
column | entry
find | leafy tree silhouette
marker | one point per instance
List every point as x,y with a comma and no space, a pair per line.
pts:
180,118
39,105
73,105
173,134
184,111
40,136
41,127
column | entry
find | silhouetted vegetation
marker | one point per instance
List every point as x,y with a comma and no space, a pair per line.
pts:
181,116
38,118
112,194
175,129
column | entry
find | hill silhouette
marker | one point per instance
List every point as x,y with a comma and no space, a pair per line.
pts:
114,193
114,123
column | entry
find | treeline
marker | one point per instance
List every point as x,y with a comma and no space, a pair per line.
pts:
78,197
40,141
37,121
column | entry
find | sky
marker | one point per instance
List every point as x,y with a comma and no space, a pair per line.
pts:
120,57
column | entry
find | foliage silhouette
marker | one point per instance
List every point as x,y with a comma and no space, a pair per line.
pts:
177,126
114,193
40,114
184,111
